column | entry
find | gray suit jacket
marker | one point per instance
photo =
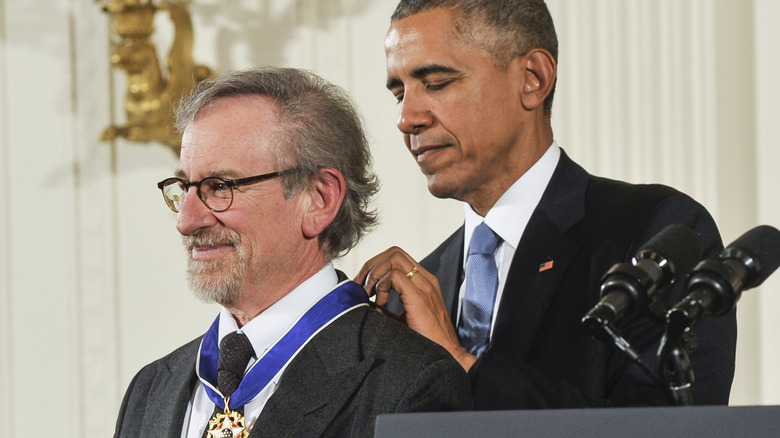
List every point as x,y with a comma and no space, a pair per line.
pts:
362,365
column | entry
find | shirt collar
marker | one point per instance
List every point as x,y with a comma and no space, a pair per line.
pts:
268,327
510,214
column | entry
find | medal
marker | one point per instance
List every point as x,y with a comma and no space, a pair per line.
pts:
229,424
345,297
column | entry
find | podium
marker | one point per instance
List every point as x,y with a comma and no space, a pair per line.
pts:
682,421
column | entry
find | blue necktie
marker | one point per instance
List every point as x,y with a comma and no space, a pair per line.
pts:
481,285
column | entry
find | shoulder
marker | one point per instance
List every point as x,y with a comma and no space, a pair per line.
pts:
383,336
185,353
614,205
178,361
571,184
410,369
159,387
398,351
641,196
609,207
610,197
612,219
573,190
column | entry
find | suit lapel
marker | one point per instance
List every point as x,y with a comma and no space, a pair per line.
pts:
170,396
531,285
450,273
317,383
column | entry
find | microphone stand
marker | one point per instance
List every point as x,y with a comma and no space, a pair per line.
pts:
674,361
608,334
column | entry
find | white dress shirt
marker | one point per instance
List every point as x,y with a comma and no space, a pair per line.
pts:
508,218
263,332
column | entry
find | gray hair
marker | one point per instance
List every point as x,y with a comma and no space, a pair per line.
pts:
515,27
321,128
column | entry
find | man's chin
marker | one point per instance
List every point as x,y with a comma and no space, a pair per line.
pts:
218,280
213,288
440,190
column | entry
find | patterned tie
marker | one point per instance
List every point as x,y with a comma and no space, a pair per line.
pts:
235,350
481,286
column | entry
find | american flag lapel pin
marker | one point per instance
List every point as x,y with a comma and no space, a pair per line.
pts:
546,266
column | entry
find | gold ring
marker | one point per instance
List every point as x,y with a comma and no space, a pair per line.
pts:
412,272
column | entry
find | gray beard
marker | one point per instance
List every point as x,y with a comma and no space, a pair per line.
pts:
216,281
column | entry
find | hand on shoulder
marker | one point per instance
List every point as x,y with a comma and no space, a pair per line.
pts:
420,295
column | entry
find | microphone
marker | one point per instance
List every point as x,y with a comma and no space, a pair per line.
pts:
715,285
628,288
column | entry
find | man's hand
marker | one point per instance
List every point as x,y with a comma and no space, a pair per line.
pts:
420,296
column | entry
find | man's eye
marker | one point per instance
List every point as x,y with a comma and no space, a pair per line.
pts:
435,86
398,93
216,185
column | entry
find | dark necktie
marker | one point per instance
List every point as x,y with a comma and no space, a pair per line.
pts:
235,350
481,286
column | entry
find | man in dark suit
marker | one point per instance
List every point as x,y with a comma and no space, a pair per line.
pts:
475,81
273,184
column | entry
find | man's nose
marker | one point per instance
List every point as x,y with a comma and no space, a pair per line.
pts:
415,115
193,214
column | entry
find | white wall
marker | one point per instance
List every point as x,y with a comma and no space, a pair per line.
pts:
682,92
766,350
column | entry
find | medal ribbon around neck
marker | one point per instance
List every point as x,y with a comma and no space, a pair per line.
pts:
344,297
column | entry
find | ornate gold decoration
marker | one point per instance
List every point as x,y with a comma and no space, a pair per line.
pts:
151,92
229,424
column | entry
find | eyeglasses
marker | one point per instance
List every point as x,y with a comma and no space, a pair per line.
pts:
215,192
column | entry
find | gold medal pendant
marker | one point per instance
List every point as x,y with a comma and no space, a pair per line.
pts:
229,424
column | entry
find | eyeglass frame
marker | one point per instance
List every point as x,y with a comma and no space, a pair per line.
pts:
230,183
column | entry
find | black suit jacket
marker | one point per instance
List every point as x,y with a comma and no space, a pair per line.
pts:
362,365
540,356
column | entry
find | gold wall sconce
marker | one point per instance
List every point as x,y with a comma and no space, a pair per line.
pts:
152,92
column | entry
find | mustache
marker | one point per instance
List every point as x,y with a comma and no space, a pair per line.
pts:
211,238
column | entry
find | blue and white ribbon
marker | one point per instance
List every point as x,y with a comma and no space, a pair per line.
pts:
345,297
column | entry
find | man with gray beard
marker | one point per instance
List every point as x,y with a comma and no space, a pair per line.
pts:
274,183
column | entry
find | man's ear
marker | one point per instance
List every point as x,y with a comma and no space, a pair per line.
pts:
325,198
539,77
